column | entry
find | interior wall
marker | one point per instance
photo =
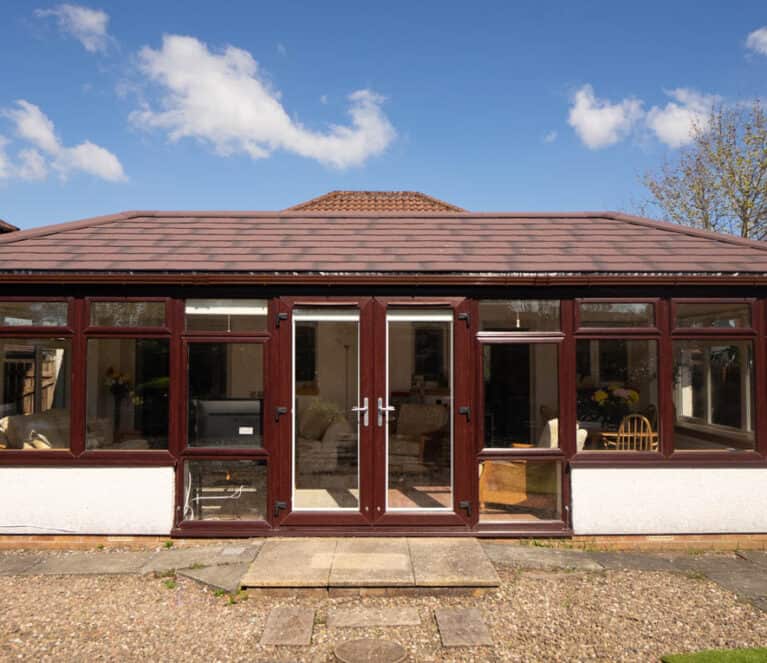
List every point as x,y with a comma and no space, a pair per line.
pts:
245,370
337,345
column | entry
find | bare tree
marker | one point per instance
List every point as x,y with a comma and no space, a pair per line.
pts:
718,182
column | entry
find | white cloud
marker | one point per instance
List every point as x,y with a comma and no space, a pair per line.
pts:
224,100
673,124
757,41
550,136
5,166
324,99
600,123
33,126
88,26
281,48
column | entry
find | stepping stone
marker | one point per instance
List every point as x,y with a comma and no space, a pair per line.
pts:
532,557
368,650
451,563
362,617
287,626
374,562
15,565
197,556
292,563
92,563
462,627
225,576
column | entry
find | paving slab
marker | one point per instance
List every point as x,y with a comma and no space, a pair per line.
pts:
288,626
746,579
636,561
758,557
441,562
371,562
462,627
369,650
198,556
533,557
14,565
292,563
223,576
364,617
91,563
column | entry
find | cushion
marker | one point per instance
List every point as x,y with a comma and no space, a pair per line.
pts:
313,423
550,434
339,426
417,419
39,441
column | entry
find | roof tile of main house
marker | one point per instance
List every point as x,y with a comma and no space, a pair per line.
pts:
374,201
268,242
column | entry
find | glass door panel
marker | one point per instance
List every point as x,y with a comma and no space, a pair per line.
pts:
419,410
326,413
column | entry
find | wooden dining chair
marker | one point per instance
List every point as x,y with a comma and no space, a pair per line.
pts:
635,433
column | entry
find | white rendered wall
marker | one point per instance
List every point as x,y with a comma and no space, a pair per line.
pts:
91,500
669,500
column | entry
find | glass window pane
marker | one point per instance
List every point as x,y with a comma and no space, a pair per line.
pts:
521,395
226,395
617,314
34,394
127,394
519,315
127,314
617,395
713,395
419,440
326,387
33,314
522,490
713,315
225,490
226,315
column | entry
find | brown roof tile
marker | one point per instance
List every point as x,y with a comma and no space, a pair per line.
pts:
456,242
6,227
374,201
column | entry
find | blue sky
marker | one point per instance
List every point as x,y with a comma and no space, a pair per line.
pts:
247,105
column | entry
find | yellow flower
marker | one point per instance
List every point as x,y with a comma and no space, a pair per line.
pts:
600,396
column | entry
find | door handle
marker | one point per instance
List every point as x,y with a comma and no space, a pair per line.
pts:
381,410
364,411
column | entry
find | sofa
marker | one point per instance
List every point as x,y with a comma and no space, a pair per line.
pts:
50,430
421,436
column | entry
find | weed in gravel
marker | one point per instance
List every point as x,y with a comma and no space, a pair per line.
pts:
219,592
100,546
170,583
168,544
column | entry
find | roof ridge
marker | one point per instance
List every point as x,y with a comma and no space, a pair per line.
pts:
360,194
55,228
686,230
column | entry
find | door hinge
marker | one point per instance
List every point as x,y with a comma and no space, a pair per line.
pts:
280,317
465,410
466,317
279,506
279,411
466,505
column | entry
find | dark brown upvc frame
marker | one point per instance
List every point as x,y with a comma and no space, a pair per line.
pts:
558,455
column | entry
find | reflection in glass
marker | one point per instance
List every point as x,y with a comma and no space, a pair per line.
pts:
523,490
326,385
128,314
33,314
617,314
519,315
617,395
225,490
521,394
34,394
226,395
420,426
127,395
713,315
226,315
713,395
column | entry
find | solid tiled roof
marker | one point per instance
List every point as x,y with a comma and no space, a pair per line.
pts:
374,201
267,242
6,227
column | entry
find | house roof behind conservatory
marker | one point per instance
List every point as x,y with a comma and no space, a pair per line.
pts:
394,242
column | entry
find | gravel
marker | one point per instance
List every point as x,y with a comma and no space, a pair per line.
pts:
533,616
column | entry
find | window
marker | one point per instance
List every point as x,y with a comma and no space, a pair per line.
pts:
226,395
519,315
127,394
127,314
226,315
617,314
713,395
713,315
33,314
521,395
519,490
617,395
34,394
225,490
